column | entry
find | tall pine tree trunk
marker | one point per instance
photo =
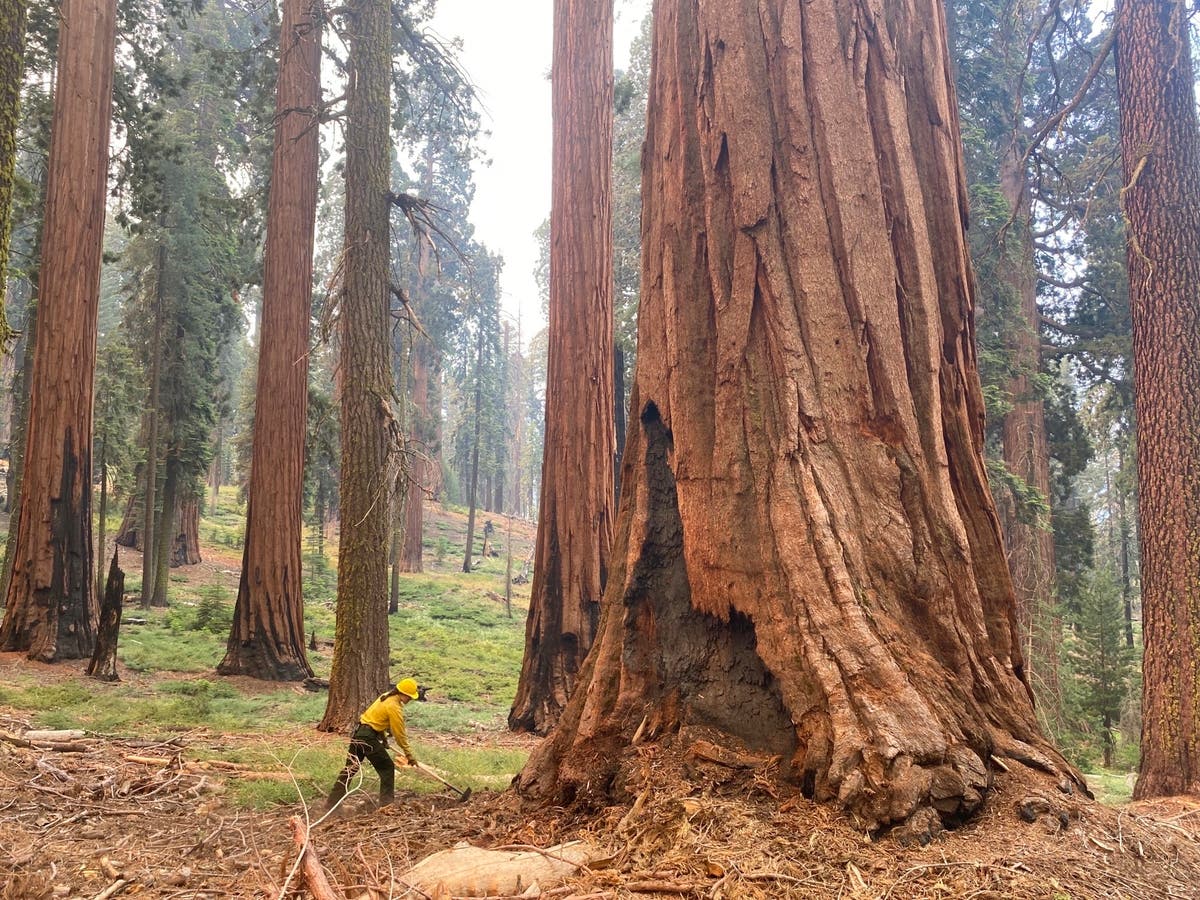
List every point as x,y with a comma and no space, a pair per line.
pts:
474,477
808,559
1028,538
1160,147
360,653
267,636
101,517
576,514
165,531
51,610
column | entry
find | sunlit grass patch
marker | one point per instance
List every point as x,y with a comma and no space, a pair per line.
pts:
1111,788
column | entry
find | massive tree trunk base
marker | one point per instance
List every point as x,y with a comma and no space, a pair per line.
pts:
667,672
257,657
266,639
52,612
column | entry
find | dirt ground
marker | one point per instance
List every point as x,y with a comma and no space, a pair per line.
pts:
146,818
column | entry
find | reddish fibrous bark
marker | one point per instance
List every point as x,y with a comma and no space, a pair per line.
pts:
576,513
1160,147
51,607
808,560
267,636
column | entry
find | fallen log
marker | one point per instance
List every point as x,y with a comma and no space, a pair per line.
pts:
468,871
310,865
56,746
55,737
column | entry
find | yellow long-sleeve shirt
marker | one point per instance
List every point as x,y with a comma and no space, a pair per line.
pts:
387,714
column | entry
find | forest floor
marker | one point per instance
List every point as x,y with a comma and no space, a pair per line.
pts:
185,785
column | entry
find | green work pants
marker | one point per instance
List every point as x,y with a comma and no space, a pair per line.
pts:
367,743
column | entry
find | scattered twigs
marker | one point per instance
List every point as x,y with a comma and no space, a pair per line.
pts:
113,889
661,887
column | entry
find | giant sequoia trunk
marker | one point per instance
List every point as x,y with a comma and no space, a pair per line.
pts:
576,514
267,636
51,608
1028,538
808,559
1160,145
360,652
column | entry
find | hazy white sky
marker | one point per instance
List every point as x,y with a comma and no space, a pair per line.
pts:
506,51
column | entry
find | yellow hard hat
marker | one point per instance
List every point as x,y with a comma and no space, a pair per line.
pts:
408,687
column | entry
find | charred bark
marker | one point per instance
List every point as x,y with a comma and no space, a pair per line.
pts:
51,605
1160,147
266,639
575,518
104,659
806,373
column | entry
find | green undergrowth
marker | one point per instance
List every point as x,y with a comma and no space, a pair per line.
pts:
1111,787
447,633
313,770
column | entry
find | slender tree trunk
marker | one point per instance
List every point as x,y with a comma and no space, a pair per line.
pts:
421,477
51,610
267,636
1029,540
12,69
474,489
165,531
508,573
102,540
1160,147
360,653
401,362
218,457
150,506
576,513
394,557
806,369
320,510
103,664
